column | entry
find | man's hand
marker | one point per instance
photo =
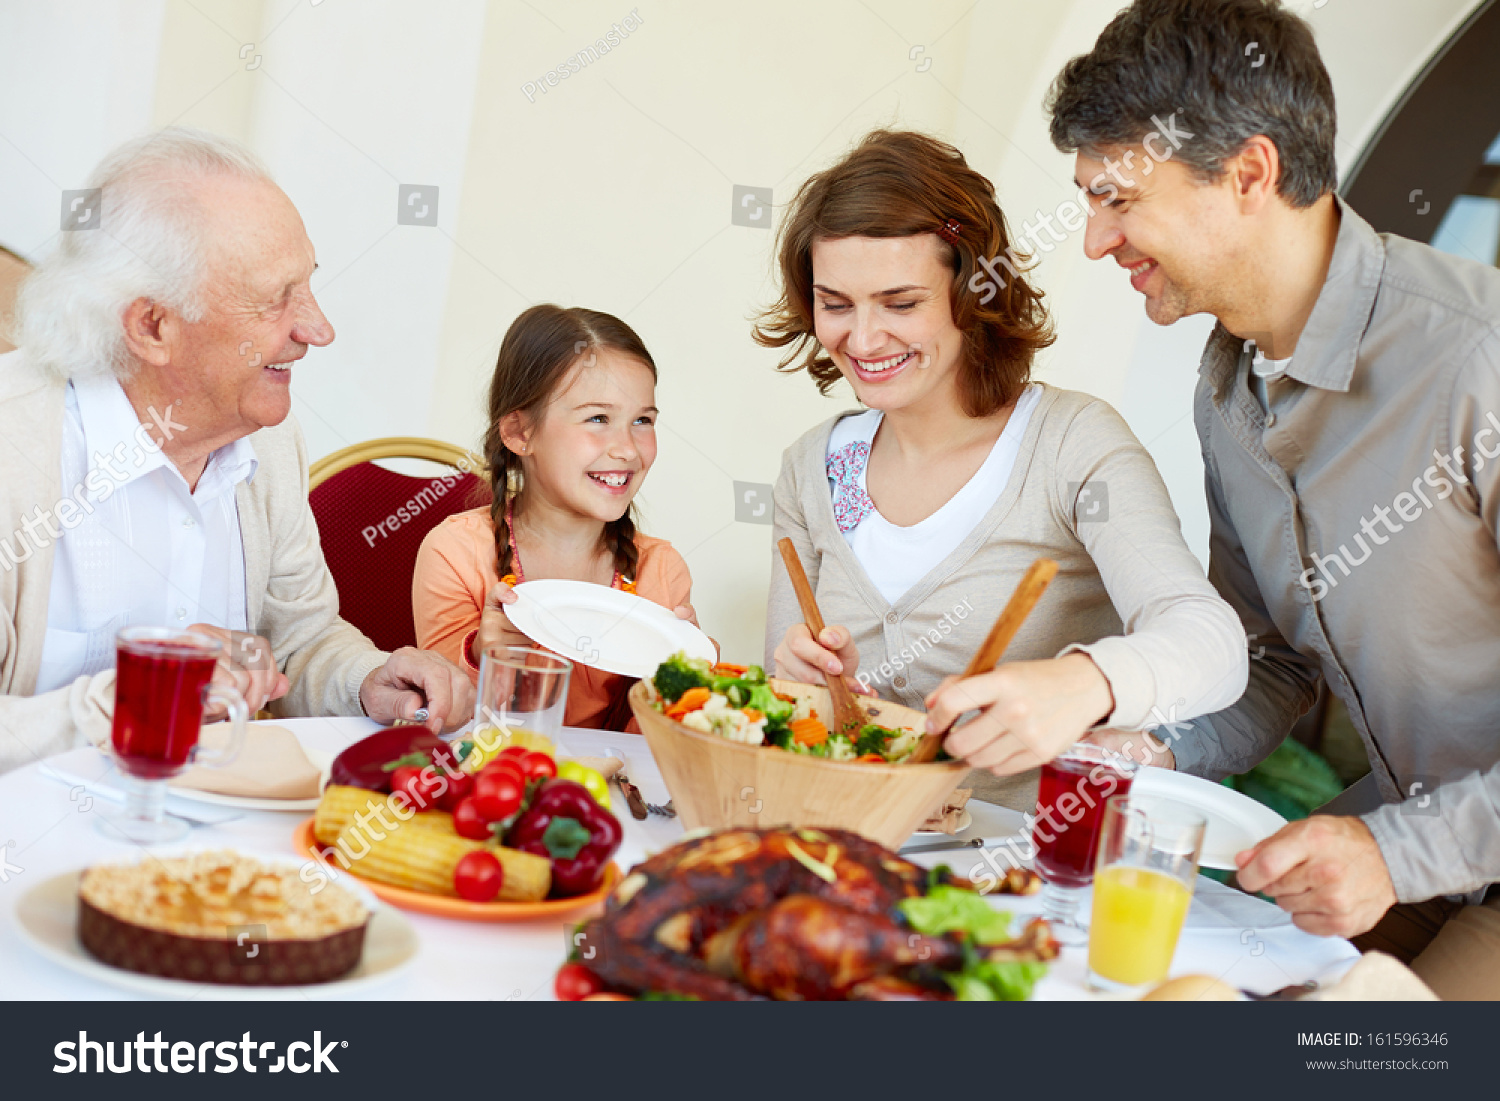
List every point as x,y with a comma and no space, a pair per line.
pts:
413,678
1029,711
1326,871
806,660
1140,746
246,665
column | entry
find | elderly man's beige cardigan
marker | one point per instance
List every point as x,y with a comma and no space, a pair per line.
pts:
289,594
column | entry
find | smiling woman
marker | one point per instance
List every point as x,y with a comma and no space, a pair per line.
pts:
958,474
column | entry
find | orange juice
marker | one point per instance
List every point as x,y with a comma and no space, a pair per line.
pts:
1137,916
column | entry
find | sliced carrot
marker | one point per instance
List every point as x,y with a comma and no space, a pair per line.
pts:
689,701
752,714
870,759
808,732
729,669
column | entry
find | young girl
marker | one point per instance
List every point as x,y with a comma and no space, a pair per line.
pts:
572,433
916,518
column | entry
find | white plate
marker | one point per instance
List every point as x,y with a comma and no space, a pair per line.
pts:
319,759
47,919
1235,822
604,628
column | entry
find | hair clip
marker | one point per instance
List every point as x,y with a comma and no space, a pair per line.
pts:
950,230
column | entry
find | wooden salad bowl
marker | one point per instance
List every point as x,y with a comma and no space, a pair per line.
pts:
716,783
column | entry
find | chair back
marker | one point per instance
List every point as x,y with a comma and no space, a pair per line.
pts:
12,271
371,522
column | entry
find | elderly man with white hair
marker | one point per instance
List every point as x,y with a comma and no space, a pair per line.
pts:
150,471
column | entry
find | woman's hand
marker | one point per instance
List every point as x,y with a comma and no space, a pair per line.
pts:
803,659
1141,746
495,627
1029,711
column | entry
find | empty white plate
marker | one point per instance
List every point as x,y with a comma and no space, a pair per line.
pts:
604,628
1235,822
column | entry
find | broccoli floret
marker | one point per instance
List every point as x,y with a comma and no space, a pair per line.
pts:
873,739
775,710
679,673
779,734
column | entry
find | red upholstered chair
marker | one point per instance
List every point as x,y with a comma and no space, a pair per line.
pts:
371,521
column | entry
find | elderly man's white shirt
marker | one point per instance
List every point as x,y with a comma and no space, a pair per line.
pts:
147,552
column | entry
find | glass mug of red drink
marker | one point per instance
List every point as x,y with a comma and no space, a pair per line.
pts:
162,684
1070,807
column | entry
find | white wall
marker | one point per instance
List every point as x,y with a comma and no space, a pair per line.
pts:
613,190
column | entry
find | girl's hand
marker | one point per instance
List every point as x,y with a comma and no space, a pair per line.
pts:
495,628
805,660
685,611
1029,711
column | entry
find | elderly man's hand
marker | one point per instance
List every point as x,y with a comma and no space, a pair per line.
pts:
246,665
1326,871
413,678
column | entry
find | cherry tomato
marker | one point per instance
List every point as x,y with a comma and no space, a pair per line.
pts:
538,766
460,787
497,795
421,790
576,982
468,822
512,751
478,876
509,766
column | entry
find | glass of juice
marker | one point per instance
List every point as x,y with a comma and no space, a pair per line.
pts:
1148,863
162,684
523,694
1070,806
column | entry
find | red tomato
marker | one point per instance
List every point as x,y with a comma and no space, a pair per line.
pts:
538,766
576,982
460,787
497,795
478,876
421,790
509,766
512,751
468,822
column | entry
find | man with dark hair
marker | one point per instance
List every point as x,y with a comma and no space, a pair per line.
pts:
1348,408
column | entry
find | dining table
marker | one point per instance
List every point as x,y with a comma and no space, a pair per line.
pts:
48,827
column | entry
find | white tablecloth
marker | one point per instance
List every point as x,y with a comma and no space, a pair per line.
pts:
46,830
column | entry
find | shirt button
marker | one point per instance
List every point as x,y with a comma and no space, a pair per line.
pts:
891,618
899,682
1271,420
187,521
181,613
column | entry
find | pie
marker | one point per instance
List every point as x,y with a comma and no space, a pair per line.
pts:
220,917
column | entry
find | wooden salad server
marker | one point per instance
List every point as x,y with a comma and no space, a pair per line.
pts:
1022,601
848,716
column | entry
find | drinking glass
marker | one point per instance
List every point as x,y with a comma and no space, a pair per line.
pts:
1070,805
161,688
522,690
1147,866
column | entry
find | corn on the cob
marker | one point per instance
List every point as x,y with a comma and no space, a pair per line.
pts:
424,859
340,805
421,852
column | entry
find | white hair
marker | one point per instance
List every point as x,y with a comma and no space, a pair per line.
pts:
149,244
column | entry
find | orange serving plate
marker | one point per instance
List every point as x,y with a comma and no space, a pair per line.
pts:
463,909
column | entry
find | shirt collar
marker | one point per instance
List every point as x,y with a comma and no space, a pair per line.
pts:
112,430
1328,348
110,427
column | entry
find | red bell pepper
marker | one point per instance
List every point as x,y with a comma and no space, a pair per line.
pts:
565,824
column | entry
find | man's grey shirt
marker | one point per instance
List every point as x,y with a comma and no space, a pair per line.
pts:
1354,530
